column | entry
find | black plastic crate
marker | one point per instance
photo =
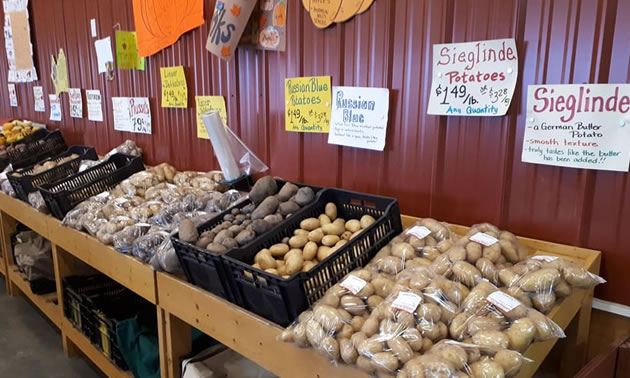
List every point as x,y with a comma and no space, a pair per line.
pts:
33,152
204,268
63,195
35,136
76,289
282,300
27,183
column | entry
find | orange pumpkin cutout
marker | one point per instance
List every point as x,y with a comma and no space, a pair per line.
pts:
280,15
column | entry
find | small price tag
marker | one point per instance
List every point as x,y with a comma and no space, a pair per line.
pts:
485,239
102,195
406,301
143,225
503,301
544,258
353,284
121,201
420,232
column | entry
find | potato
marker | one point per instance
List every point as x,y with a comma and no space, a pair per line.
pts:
365,364
454,354
353,225
357,323
400,349
488,270
330,240
370,346
331,211
562,288
314,333
486,369
316,235
272,271
429,312
373,301
390,265
294,263
366,221
491,339
482,323
330,348
363,274
291,252
466,273
429,330
264,187
441,264
309,224
520,334
357,339
266,261
348,352
188,231
492,252
298,241
403,251
333,229
458,326
577,276
299,334
544,301
309,251
382,286
473,252
510,361
366,291
509,251
456,253
353,305
267,207
539,280
323,252
520,295
278,250
370,326
385,362
308,265
323,219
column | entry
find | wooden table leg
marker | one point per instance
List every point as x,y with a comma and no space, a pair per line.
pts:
576,348
7,228
176,338
64,265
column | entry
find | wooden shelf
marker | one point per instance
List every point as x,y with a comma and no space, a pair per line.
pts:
45,303
91,352
3,268
25,214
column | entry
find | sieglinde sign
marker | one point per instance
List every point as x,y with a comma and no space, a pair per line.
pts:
473,78
579,126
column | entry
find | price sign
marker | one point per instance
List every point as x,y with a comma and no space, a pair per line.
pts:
174,87
132,114
473,78
76,103
308,103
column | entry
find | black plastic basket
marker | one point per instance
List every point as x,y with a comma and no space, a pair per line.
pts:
62,196
204,268
282,300
35,151
27,183
38,134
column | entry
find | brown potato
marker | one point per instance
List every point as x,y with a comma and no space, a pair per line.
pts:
366,221
353,225
333,229
331,211
309,224
520,334
385,362
278,250
400,349
298,241
348,352
324,219
330,240
487,369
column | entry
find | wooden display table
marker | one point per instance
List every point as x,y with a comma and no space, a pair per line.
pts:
181,305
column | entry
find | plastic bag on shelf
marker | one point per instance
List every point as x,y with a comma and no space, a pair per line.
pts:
494,318
164,172
165,258
487,241
86,164
418,245
450,358
128,147
546,278
124,239
7,188
145,247
106,232
36,200
33,256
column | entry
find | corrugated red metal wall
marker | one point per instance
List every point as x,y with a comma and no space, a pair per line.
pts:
462,170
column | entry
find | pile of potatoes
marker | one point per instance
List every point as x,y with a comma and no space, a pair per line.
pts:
269,207
408,250
510,325
45,166
505,250
314,241
544,279
452,359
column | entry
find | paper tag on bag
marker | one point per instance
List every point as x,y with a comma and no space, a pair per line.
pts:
420,232
503,301
102,195
544,258
406,301
121,201
353,284
485,239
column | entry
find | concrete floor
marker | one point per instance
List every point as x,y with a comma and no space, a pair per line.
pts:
30,346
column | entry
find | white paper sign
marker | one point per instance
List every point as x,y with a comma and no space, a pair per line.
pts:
55,107
103,53
578,126
503,301
76,103
485,239
13,95
353,284
359,117
473,78
38,95
406,301
419,232
94,105
93,27
132,114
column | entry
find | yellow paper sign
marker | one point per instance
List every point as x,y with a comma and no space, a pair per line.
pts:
59,72
307,101
206,104
127,51
174,88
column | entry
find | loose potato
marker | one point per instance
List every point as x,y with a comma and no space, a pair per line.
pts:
308,265
333,229
316,235
331,211
272,271
323,252
487,369
294,263
309,251
278,250
266,261
366,221
309,224
298,241
353,225
323,219
330,240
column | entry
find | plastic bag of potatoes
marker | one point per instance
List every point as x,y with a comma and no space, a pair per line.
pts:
487,241
450,358
545,279
493,318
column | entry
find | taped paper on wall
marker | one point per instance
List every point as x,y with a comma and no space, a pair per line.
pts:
38,95
94,105
132,114
76,103
55,107
17,36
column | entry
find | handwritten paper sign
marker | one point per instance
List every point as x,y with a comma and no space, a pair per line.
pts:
359,117
59,72
174,88
38,96
307,101
579,126
132,114
13,96
205,104
55,107
17,42
324,12
76,103
104,54
127,51
473,78
94,105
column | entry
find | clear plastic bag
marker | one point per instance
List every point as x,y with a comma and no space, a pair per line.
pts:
7,188
124,240
494,318
145,247
36,200
128,147
164,172
165,258
487,241
106,232
545,279
33,256
418,245
145,211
